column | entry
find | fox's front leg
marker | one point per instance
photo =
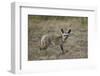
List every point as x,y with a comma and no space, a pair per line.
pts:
62,49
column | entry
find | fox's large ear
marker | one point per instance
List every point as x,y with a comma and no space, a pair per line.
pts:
62,30
69,30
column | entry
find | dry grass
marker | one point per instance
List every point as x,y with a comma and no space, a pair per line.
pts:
75,46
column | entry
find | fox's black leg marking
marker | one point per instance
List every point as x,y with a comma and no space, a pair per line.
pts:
61,46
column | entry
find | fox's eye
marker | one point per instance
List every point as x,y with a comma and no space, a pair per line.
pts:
65,35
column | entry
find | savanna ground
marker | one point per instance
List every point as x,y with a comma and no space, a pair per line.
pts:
76,45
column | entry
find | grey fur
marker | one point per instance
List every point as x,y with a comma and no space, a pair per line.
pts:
54,39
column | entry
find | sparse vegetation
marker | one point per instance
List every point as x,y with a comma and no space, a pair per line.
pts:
75,46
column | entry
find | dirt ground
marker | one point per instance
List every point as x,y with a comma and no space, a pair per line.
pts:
76,46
